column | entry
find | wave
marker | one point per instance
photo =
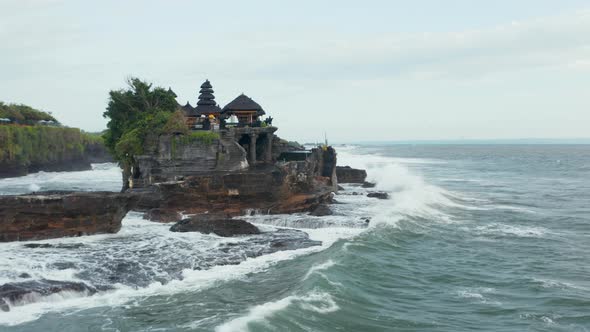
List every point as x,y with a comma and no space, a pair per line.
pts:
411,195
102,177
320,267
136,236
316,301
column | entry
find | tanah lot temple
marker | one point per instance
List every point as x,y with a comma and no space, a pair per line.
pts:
241,140
241,117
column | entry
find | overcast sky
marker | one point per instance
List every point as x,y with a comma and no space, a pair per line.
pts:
358,70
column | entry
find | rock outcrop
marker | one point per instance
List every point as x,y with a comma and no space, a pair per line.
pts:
321,210
346,174
60,214
218,224
26,291
162,215
379,195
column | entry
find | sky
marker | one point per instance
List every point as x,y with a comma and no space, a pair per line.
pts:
353,70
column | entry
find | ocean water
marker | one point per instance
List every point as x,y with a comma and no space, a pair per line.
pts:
473,237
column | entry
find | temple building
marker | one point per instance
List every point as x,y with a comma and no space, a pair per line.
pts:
245,109
207,114
244,137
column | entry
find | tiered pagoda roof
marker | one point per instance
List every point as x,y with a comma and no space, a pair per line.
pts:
206,103
243,103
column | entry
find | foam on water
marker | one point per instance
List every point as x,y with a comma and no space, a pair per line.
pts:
320,267
316,301
500,229
411,195
102,177
139,235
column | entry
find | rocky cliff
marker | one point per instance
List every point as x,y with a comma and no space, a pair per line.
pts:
281,187
58,214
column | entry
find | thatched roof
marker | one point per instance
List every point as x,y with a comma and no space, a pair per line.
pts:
188,110
243,103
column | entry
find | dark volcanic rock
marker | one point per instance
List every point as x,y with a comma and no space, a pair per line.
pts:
162,215
379,195
368,185
217,224
27,290
52,215
321,210
346,174
56,246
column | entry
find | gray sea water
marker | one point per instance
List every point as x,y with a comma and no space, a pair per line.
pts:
474,237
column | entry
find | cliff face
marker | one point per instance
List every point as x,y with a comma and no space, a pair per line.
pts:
227,176
27,149
178,156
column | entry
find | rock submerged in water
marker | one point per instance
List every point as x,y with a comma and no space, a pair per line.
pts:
321,210
21,291
369,185
347,174
215,223
379,195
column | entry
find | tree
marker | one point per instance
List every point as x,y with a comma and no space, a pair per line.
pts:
133,113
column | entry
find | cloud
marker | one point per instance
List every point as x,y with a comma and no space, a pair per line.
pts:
519,46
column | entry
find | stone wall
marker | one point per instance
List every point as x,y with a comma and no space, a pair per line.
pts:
176,158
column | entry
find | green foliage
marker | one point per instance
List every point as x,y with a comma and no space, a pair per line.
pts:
129,145
205,137
134,113
176,124
23,114
37,145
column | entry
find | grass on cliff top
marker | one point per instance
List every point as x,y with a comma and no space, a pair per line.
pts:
205,137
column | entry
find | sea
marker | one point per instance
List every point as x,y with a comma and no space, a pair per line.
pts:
475,237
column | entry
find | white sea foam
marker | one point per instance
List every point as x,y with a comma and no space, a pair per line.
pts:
477,294
320,267
500,229
411,195
319,302
102,177
145,235
550,283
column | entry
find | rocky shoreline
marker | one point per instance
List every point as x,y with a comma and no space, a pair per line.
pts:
269,190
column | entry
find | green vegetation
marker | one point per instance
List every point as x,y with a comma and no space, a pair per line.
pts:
141,111
23,146
23,114
134,113
205,137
